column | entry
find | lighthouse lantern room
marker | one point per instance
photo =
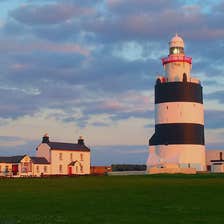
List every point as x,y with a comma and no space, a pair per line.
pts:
178,141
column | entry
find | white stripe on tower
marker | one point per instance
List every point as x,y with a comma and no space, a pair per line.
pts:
179,112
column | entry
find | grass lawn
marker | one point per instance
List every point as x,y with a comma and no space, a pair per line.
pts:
160,199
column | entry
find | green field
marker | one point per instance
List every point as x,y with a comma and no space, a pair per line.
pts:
116,199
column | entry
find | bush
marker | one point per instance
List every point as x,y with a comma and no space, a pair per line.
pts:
128,167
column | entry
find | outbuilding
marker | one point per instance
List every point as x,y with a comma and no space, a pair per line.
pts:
23,165
215,161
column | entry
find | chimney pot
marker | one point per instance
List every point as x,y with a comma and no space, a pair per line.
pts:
80,141
45,138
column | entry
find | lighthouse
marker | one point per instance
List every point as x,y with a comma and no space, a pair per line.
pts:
178,141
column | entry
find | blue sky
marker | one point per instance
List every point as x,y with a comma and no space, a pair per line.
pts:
73,67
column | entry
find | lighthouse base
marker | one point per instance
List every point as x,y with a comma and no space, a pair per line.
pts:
155,170
177,157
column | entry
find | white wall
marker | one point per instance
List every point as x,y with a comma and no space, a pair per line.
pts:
175,70
66,160
217,168
38,169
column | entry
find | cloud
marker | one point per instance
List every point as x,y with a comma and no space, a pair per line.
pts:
43,74
10,45
11,146
150,20
214,119
9,138
48,14
135,6
119,154
215,145
100,124
18,102
119,20
217,95
128,104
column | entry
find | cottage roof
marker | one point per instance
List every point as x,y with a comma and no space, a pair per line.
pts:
68,146
11,159
17,159
39,160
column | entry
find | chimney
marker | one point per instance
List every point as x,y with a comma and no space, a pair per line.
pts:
45,138
80,141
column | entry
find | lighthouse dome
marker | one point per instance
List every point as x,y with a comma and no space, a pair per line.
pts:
176,41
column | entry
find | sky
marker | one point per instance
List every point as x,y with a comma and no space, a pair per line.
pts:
84,67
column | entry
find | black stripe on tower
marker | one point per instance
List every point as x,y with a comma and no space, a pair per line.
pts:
178,92
178,133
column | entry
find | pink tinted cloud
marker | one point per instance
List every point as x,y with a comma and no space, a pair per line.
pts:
147,19
113,3
67,48
49,14
137,4
19,66
136,98
112,105
129,102
205,33
20,46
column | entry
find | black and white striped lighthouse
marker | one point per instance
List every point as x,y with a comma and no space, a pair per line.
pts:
178,141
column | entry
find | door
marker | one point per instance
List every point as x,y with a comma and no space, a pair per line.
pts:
70,170
15,169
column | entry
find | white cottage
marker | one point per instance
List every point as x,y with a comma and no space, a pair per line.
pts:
65,158
215,161
23,165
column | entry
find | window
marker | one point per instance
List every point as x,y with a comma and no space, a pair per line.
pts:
81,168
0,169
25,167
81,157
76,169
45,169
176,50
71,157
184,77
30,167
38,169
6,169
60,168
60,156
220,155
